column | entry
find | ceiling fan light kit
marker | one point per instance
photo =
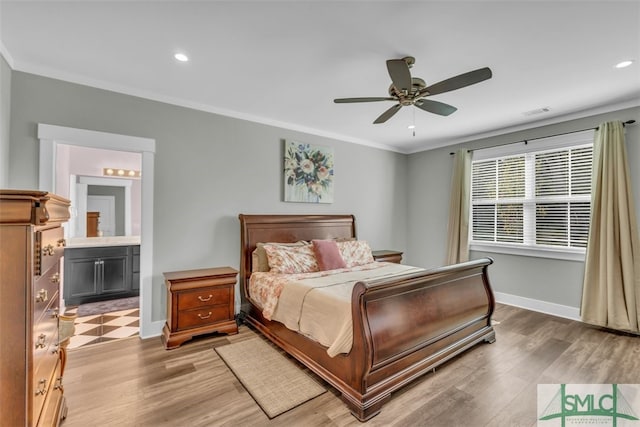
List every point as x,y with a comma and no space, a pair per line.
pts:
407,90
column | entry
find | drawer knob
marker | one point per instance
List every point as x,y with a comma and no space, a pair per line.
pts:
55,278
204,317
42,387
205,299
48,250
42,339
62,242
42,295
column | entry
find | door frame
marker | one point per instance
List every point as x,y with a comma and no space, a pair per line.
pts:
51,135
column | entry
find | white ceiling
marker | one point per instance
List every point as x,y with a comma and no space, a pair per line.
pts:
283,62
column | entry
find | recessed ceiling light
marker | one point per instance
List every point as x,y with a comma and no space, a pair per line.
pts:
411,127
624,64
181,57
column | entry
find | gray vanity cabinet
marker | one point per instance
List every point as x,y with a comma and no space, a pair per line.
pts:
100,273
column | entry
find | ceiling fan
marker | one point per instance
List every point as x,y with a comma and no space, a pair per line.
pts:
407,90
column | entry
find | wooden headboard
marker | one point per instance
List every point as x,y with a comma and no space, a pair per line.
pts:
286,229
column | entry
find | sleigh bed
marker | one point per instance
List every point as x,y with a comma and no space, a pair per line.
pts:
402,327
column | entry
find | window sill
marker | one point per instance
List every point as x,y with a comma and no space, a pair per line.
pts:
566,254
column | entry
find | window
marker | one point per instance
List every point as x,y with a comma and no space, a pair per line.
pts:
533,198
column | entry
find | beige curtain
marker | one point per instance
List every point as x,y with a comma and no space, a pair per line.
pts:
611,289
458,234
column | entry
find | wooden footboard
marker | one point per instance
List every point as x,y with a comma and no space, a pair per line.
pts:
402,327
409,326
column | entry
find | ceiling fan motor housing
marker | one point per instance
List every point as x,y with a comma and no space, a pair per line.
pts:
417,84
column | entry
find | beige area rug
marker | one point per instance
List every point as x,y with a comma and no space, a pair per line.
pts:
276,383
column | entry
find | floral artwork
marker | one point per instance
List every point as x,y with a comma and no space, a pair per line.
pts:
308,173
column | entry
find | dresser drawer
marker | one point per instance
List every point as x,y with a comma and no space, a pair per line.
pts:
203,297
49,248
203,316
44,381
51,411
45,361
45,290
45,335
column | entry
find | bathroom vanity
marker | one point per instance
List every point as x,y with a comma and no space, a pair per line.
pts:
102,268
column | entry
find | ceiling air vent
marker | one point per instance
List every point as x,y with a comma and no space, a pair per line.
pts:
537,111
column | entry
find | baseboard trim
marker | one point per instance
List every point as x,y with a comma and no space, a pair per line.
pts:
154,330
551,308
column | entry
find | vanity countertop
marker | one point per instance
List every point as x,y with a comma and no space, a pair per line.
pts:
86,242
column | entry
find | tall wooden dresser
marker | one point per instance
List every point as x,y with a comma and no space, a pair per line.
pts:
31,244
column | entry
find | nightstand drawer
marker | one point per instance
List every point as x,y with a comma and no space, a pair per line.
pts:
203,298
203,316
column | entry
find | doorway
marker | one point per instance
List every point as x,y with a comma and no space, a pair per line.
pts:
51,136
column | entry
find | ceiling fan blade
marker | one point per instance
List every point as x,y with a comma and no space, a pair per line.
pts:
400,74
435,107
347,100
388,114
459,81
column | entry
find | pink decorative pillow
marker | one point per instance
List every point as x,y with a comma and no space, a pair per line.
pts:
328,255
291,259
355,253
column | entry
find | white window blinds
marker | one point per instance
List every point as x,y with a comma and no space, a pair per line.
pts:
535,195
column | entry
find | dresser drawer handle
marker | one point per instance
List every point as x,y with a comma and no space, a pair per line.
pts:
42,296
62,242
55,279
42,387
204,317
58,384
205,299
48,250
42,339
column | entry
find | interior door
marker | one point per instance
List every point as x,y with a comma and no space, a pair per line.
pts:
106,205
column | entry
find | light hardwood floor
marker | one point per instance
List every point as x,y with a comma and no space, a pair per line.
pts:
136,382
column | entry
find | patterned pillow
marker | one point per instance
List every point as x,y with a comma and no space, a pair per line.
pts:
259,261
328,255
291,259
355,252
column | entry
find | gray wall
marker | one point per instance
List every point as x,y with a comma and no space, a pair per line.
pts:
5,119
208,169
548,280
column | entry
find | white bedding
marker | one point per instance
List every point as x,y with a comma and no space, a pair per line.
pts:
318,304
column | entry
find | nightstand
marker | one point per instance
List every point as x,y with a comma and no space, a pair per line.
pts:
199,302
387,256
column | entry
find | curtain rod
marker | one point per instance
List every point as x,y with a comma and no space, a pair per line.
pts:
628,122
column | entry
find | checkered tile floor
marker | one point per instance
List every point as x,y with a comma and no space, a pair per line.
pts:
104,327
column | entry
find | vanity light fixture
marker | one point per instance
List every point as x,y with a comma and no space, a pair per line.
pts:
624,64
117,172
181,57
